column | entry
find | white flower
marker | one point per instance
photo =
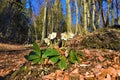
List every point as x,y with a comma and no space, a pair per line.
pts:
52,36
47,41
64,36
70,35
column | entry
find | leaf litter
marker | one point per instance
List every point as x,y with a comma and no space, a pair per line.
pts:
96,64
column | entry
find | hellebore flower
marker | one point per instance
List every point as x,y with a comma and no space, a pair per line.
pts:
52,35
64,36
47,41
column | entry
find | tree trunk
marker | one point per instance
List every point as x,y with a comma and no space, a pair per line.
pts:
88,13
108,15
77,27
68,16
113,20
93,14
44,23
85,17
101,11
117,11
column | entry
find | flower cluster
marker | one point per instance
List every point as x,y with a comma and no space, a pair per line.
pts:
50,37
47,41
64,36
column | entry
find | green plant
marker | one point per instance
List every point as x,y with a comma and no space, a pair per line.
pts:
36,55
74,56
53,55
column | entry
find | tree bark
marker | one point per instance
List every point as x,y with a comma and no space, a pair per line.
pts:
44,23
93,14
77,27
85,17
68,17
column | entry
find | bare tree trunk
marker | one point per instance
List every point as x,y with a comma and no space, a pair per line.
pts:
113,20
98,16
108,14
93,14
117,11
101,11
85,16
35,28
81,15
68,17
88,13
77,27
52,21
44,23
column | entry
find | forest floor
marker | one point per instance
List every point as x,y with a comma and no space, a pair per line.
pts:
96,64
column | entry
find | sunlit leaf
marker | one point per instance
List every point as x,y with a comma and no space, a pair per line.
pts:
42,60
55,59
72,56
62,64
50,52
35,61
36,48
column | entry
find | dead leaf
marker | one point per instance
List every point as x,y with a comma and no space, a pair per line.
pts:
110,71
100,57
116,60
108,77
82,77
75,73
116,66
66,53
87,52
59,49
91,77
46,61
66,76
50,62
59,78
84,65
59,73
49,77
118,72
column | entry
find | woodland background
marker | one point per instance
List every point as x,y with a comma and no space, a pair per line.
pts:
95,44
24,21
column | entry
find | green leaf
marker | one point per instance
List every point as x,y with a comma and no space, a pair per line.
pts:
50,52
36,61
55,59
42,60
80,53
78,59
62,64
32,56
36,48
72,57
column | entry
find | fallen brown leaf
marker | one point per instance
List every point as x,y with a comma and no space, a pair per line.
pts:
49,77
59,73
66,76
